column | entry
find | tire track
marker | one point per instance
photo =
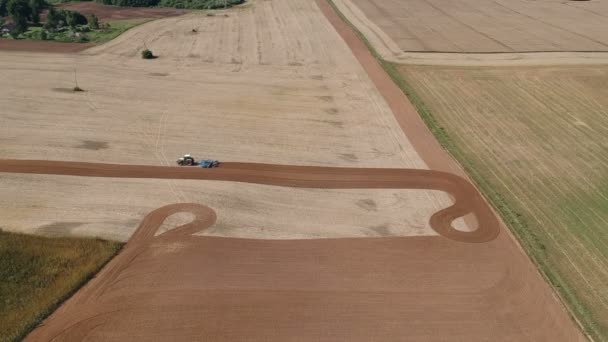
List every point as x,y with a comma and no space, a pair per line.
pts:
466,198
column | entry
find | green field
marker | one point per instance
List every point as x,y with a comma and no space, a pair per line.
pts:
117,28
38,273
534,139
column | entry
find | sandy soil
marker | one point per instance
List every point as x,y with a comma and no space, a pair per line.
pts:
259,85
385,289
488,26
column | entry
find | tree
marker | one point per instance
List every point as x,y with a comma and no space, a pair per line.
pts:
93,22
3,9
56,18
52,19
73,19
20,11
36,7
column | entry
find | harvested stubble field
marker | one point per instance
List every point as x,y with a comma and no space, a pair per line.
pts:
535,140
486,26
270,82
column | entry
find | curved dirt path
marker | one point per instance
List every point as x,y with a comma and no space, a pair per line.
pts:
467,199
77,324
183,287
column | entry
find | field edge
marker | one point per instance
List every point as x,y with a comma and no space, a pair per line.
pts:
524,238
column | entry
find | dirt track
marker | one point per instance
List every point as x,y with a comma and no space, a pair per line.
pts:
42,46
385,289
467,199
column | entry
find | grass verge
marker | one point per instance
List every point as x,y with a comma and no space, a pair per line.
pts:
37,274
517,223
117,28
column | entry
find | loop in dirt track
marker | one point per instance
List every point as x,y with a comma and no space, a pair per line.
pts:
466,198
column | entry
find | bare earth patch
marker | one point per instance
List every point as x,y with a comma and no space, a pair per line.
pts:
380,289
42,46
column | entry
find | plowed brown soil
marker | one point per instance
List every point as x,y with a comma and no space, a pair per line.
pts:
42,46
175,286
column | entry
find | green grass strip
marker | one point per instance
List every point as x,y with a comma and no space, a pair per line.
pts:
117,28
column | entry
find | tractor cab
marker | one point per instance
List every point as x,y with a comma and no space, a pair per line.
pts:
186,160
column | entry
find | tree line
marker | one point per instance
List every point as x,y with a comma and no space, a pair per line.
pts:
190,4
22,12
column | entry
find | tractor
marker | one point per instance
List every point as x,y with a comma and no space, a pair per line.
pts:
188,160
